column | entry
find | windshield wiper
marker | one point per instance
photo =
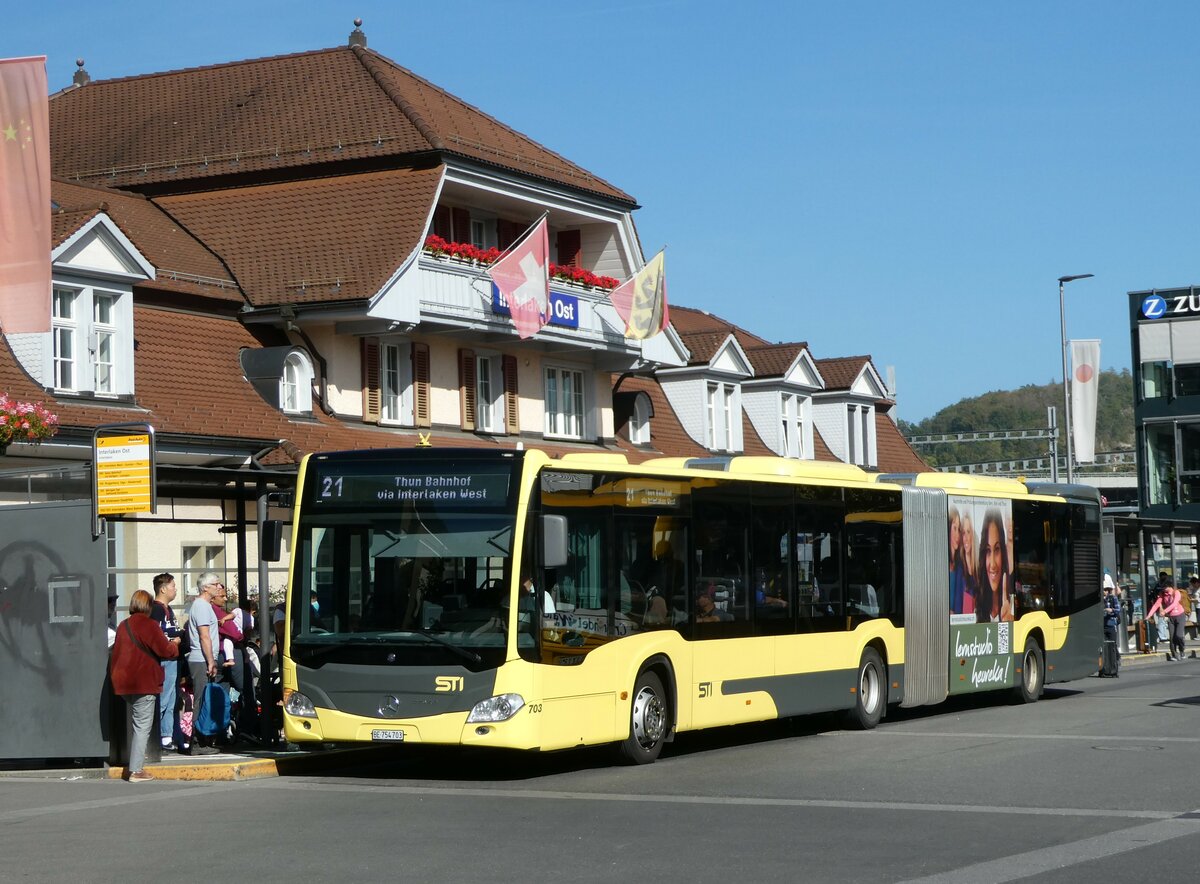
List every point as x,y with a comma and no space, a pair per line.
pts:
315,650
436,639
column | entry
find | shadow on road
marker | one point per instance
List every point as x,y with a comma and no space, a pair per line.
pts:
455,764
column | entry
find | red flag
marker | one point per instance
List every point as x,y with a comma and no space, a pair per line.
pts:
523,278
24,196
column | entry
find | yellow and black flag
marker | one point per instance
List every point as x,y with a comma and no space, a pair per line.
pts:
641,301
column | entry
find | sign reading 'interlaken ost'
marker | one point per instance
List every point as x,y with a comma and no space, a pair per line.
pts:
124,474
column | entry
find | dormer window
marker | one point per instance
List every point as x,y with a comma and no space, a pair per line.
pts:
91,340
791,410
860,435
723,413
639,421
295,384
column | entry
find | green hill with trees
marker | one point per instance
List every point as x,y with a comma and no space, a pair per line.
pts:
1023,409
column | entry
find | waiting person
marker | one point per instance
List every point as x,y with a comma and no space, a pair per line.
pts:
1112,619
162,613
1169,603
203,647
137,675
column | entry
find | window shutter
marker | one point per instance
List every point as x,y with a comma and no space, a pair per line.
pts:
370,380
462,224
466,387
569,247
420,366
442,225
512,418
506,233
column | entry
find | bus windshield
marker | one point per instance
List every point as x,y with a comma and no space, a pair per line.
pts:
421,579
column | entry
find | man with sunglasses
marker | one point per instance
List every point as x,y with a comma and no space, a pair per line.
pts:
203,647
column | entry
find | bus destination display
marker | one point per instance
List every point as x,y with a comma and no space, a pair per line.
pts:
471,487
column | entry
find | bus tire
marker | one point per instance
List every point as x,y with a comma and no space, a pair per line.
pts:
870,695
1033,674
649,720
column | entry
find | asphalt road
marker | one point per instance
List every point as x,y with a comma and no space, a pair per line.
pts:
1101,778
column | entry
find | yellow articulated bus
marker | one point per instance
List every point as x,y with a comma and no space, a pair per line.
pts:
507,599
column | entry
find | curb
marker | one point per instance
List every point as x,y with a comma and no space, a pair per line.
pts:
241,769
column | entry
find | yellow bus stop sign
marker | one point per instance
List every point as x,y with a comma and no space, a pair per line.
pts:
124,474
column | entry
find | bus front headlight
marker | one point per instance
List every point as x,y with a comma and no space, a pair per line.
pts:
299,705
499,708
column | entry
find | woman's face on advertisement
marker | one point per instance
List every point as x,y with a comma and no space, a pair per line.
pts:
993,555
954,535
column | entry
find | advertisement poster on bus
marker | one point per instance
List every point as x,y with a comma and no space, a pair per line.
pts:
982,603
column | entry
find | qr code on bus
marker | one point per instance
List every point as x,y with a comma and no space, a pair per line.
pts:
1004,638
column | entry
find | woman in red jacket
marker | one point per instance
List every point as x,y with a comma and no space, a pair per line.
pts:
137,674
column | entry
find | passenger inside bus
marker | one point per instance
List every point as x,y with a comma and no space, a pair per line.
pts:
707,610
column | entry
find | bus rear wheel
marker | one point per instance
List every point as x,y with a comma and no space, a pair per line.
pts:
1032,678
648,721
870,695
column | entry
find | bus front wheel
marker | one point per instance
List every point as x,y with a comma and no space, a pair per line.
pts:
1032,677
870,695
648,721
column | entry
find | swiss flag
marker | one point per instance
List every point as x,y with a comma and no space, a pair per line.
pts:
523,278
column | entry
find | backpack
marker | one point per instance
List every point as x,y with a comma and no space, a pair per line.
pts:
212,714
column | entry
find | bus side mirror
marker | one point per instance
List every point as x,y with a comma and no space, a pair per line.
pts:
271,541
554,541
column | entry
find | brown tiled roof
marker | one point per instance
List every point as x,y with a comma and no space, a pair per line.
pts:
821,450
840,372
703,346
667,435
182,262
325,239
283,112
773,360
688,320
894,453
209,397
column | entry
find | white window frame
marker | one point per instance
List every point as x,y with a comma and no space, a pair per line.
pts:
489,393
639,420
106,371
560,421
65,330
104,338
723,417
791,410
396,383
486,226
295,383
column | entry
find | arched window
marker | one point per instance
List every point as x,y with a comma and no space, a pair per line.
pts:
295,384
639,420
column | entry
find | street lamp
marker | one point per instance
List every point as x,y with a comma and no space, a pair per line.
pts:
1062,318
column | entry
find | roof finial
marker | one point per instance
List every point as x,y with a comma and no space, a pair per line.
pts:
81,78
357,37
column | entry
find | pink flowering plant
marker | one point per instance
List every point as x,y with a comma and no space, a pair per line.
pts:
25,421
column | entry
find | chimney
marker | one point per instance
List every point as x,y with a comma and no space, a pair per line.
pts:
357,37
81,78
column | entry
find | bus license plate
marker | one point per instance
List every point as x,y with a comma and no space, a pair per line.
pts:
388,736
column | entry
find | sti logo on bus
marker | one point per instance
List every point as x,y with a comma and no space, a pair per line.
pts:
448,683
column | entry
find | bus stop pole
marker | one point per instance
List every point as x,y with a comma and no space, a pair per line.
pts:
266,630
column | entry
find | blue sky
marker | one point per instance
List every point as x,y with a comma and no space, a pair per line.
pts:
907,180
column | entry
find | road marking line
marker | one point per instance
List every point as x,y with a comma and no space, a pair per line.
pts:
1061,856
381,787
12,816
1094,738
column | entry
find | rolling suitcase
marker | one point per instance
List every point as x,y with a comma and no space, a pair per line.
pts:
1110,661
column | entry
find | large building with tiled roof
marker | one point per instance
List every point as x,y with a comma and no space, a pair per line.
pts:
240,261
